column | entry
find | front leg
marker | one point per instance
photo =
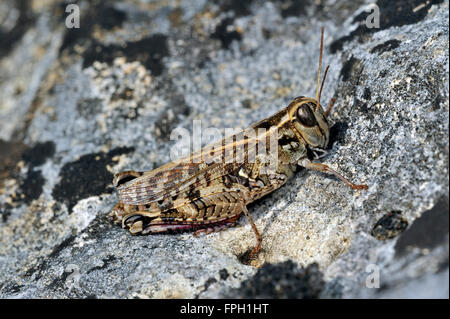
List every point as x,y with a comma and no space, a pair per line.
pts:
326,169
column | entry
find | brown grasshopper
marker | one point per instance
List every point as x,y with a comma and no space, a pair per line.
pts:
207,191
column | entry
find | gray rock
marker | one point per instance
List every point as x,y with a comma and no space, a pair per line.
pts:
80,104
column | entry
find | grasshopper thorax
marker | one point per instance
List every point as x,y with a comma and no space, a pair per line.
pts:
309,122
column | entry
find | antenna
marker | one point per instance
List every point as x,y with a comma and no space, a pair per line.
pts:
323,81
320,67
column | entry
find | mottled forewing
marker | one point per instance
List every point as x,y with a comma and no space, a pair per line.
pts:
197,170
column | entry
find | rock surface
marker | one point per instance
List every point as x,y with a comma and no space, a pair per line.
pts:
80,104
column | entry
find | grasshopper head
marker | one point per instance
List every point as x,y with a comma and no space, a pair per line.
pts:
309,121
307,116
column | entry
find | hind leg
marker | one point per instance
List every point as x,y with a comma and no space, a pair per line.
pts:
216,228
207,231
257,248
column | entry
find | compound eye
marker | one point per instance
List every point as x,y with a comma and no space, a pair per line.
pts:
306,116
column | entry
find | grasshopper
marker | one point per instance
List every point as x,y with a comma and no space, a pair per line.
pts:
204,192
